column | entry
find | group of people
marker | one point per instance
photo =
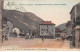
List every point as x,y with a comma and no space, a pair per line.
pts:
5,37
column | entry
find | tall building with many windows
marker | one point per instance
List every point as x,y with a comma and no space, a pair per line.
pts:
47,29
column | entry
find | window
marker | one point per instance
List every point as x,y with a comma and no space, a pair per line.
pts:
3,26
47,25
42,29
42,32
47,30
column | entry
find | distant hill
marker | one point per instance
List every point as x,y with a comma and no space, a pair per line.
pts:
62,27
23,20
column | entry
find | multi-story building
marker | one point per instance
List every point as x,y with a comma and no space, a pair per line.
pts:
75,20
69,31
57,32
47,29
68,28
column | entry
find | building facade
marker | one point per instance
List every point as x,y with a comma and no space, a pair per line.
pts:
57,32
75,20
68,31
47,29
68,28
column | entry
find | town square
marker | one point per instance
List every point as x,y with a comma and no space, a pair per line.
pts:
36,26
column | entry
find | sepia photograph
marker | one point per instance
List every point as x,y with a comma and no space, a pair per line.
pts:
40,25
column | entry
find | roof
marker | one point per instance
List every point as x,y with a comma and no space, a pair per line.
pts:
68,23
74,7
47,23
77,27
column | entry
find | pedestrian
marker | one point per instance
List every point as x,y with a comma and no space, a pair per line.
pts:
3,36
42,39
57,38
71,43
6,38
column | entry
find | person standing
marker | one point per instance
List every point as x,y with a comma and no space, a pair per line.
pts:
42,39
6,38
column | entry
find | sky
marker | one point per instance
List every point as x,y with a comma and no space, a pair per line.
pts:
57,11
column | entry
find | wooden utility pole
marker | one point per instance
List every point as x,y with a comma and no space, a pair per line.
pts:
1,9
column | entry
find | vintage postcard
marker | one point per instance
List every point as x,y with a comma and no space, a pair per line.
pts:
40,25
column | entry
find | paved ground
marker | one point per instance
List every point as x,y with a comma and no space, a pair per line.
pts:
66,45
33,43
14,43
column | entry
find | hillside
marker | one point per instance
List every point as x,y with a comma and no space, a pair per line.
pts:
23,20
62,26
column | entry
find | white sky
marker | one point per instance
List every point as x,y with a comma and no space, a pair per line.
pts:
58,14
